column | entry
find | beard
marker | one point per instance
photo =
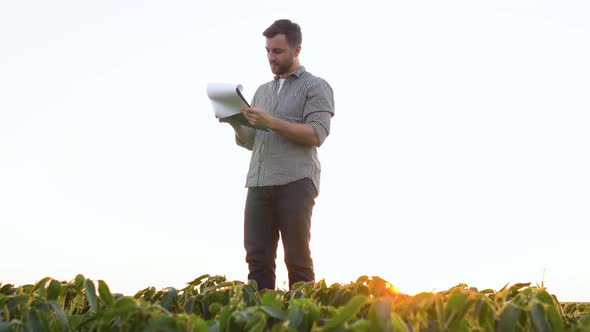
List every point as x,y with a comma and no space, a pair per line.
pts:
282,68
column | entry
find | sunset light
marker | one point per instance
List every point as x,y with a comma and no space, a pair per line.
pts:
457,155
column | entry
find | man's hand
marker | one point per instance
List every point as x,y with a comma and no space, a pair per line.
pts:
259,118
301,133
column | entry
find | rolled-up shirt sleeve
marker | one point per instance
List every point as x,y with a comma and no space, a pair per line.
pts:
319,109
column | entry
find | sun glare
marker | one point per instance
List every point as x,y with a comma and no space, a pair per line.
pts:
392,288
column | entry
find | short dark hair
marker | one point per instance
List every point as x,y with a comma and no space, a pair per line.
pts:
291,30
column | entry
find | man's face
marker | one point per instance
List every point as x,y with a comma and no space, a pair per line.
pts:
281,56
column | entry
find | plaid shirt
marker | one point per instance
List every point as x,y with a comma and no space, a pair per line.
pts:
276,160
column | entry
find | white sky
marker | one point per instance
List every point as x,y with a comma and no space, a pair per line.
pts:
459,151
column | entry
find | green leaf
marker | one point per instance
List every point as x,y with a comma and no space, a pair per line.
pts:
538,317
569,308
585,322
36,321
215,287
6,289
274,312
250,294
16,301
124,304
440,312
163,323
272,299
75,321
361,280
40,286
484,313
398,323
554,318
509,317
215,307
256,325
198,280
423,301
60,314
309,308
105,293
5,326
79,282
361,325
224,318
168,299
342,296
53,290
380,315
122,307
26,289
295,317
346,312
254,284
91,294
544,297
518,286
145,294
197,324
456,307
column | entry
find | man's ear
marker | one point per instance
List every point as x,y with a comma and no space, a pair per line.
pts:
297,50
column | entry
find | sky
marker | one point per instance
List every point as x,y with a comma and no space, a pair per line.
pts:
459,152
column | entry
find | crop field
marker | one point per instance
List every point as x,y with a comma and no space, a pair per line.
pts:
212,303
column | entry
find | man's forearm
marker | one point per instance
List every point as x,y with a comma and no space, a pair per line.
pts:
301,133
241,131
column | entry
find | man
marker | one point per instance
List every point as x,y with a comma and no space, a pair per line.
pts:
284,176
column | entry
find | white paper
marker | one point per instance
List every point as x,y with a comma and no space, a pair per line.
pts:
226,99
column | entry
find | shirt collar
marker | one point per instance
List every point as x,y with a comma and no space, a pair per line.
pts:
298,72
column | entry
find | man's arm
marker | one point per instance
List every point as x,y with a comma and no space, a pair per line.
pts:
244,135
302,133
241,130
